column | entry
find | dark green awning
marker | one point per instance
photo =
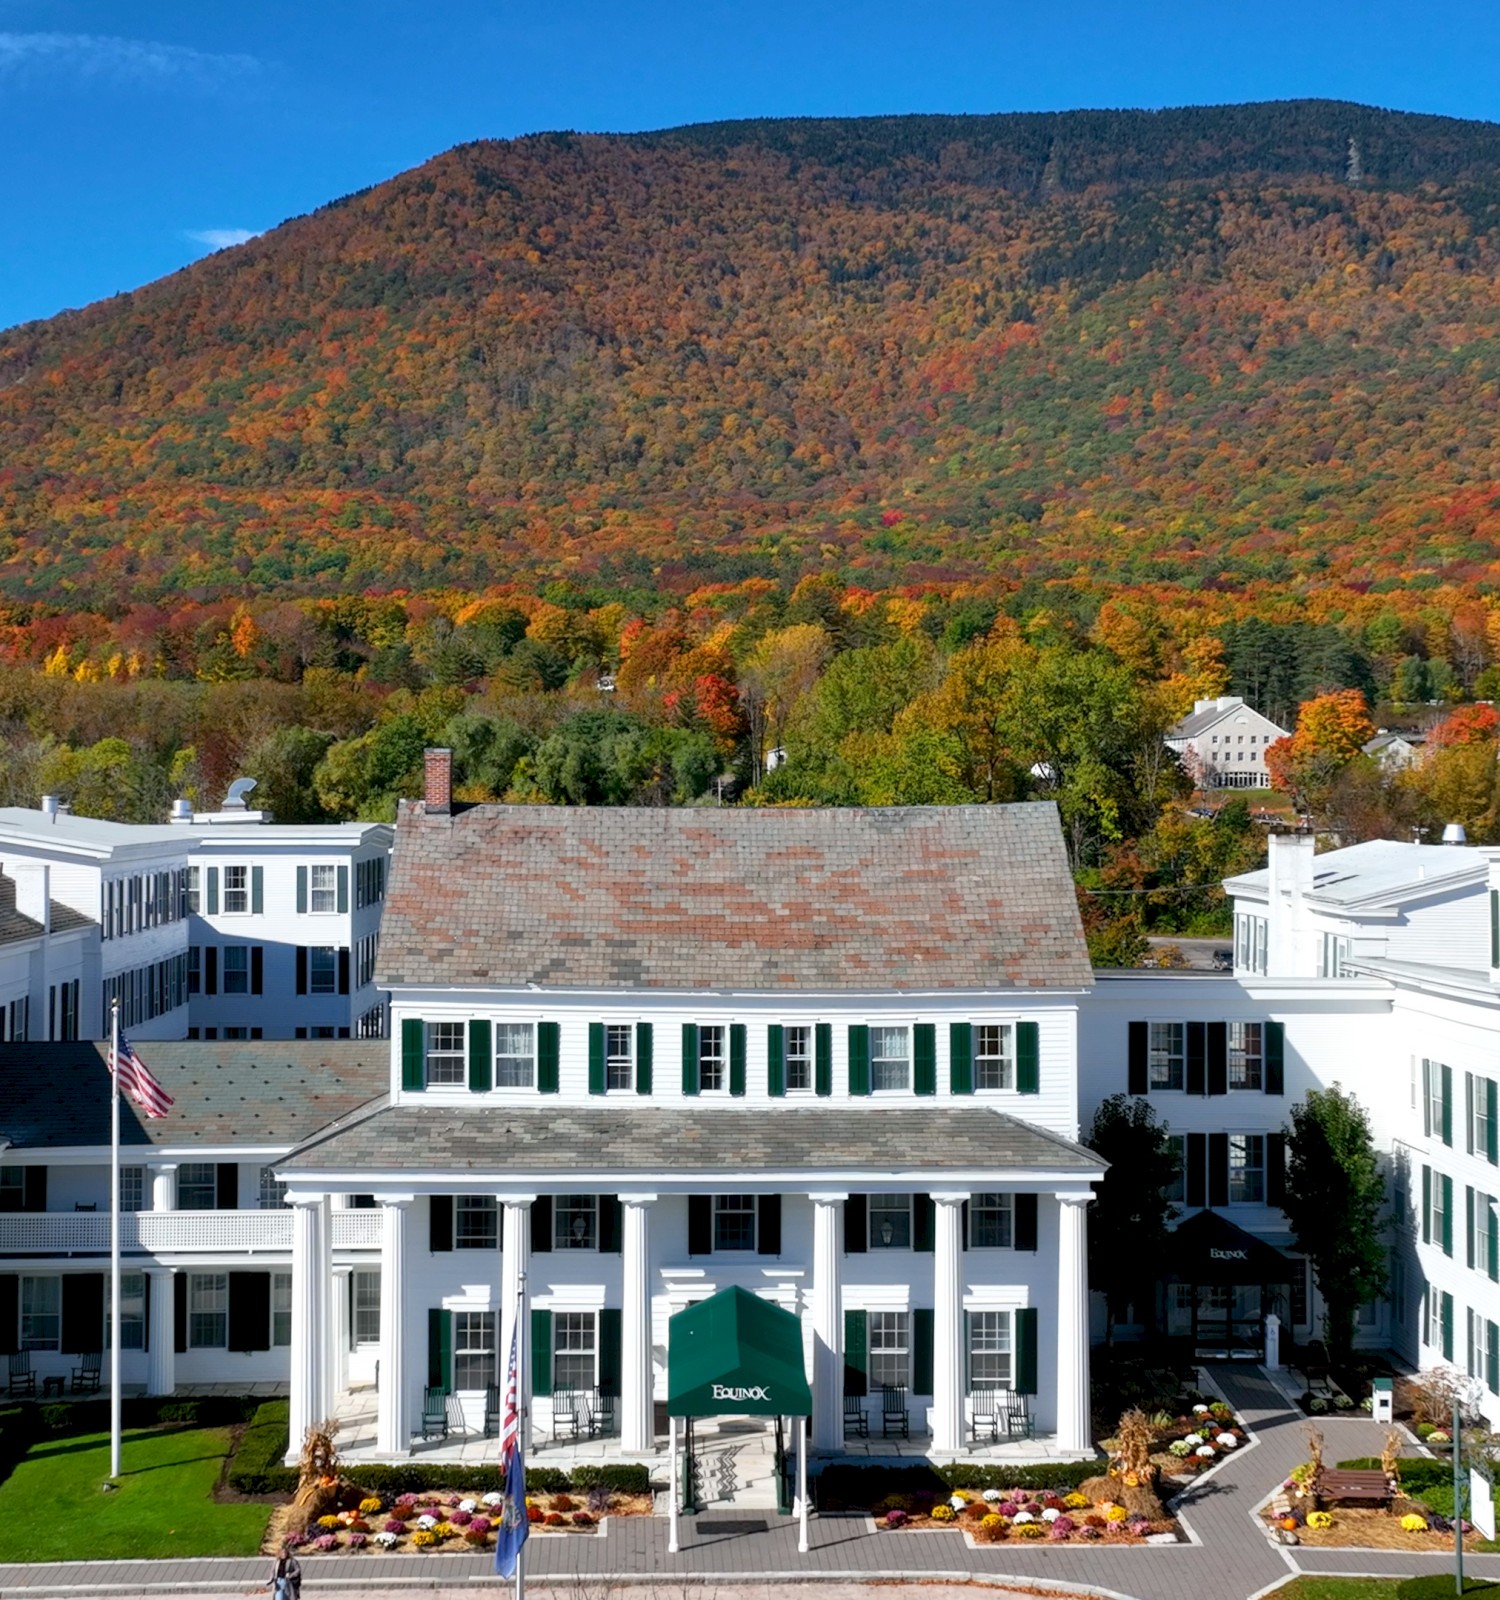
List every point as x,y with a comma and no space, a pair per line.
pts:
735,1354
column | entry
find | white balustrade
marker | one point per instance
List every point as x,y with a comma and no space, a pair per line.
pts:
173,1232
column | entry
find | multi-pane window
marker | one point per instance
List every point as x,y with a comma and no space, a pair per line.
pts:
195,969
1245,1055
576,1222
1434,1328
372,1023
236,968
890,1351
473,1349
369,881
1475,1366
1176,1191
272,1190
365,952
236,890
1247,1168
515,1055
208,1310
322,889
446,1057
192,889
1435,1076
41,1313
12,1189
1333,952
197,1186
989,1350
366,1319
132,1310
890,1060
1250,944
322,969
1435,1217
1479,1115
799,1057
281,1308
1167,1045
573,1350
476,1222
993,1065
619,1056
711,1067
734,1222
1484,1228
890,1221
990,1221
132,1188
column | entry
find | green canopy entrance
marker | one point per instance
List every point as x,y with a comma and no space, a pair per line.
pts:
735,1354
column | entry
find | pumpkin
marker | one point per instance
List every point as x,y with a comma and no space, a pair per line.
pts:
1290,1524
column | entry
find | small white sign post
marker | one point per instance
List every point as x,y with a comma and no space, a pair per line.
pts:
1481,1502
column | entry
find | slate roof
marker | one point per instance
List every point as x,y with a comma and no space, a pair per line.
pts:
16,925
1197,722
275,1092
916,898
629,1140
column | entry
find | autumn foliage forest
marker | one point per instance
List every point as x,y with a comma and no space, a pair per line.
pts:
950,457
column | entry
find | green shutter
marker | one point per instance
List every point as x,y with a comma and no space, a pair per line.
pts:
1447,1316
1447,1183
481,1056
643,1052
1495,927
690,1058
596,1058
257,889
823,1046
301,891
213,891
343,890
776,1060
413,1053
541,1352
921,1350
1028,1058
1468,1226
1492,1264
960,1058
548,1049
1491,1358
1025,1342
1492,1121
1447,1087
610,1339
1273,1038
1426,1205
439,1349
859,1059
856,1352
924,1064
737,1059
1427,1098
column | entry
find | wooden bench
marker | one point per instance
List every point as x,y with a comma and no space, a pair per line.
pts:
1345,1485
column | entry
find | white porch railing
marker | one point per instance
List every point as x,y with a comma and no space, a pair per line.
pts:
161,1233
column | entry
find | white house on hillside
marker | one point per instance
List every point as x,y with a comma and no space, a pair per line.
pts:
1223,744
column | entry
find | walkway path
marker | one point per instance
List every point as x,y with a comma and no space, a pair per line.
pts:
1231,1559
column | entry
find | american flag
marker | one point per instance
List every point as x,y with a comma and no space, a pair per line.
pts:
510,1422
135,1079
514,1526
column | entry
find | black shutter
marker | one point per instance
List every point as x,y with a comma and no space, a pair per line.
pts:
776,1060
179,1312
1197,1058
227,1187
856,1225
1274,1035
1023,1231
249,1310
856,1352
257,967
1195,1187
301,969
924,1058
344,970
921,1350
82,1312
611,1339
1138,1079
610,1224
541,1224
34,1189
700,1225
1218,1058
1275,1169
823,1052
440,1222
923,1222
10,1313
1218,1169
768,1233
210,969
1026,1351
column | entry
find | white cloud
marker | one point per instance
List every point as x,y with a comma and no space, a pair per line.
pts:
222,238
102,56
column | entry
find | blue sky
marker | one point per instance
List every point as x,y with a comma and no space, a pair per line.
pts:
137,137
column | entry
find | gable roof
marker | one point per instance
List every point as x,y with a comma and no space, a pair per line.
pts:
260,1093
16,926
917,898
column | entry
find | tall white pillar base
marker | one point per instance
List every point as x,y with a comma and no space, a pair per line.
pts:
309,1398
1073,1325
637,1376
393,1401
948,1364
161,1334
828,1324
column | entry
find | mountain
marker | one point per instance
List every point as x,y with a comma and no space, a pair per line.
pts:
1234,346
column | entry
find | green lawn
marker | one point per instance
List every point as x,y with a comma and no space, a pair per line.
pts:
1338,1589
53,1509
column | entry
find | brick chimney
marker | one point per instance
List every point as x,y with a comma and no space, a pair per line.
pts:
437,782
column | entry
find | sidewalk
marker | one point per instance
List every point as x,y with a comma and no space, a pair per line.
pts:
1231,1557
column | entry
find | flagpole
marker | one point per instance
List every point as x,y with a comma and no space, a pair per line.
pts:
523,1411
114,1239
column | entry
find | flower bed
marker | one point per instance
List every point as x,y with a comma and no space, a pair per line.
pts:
1025,1516
1408,1526
1187,1444
437,1522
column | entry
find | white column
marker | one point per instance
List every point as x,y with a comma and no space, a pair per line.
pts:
164,1187
343,1329
392,1402
309,1364
1072,1324
947,1326
161,1336
515,1246
637,1376
828,1323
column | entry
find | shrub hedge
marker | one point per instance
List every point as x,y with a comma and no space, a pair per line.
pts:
256,1465
849,1485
